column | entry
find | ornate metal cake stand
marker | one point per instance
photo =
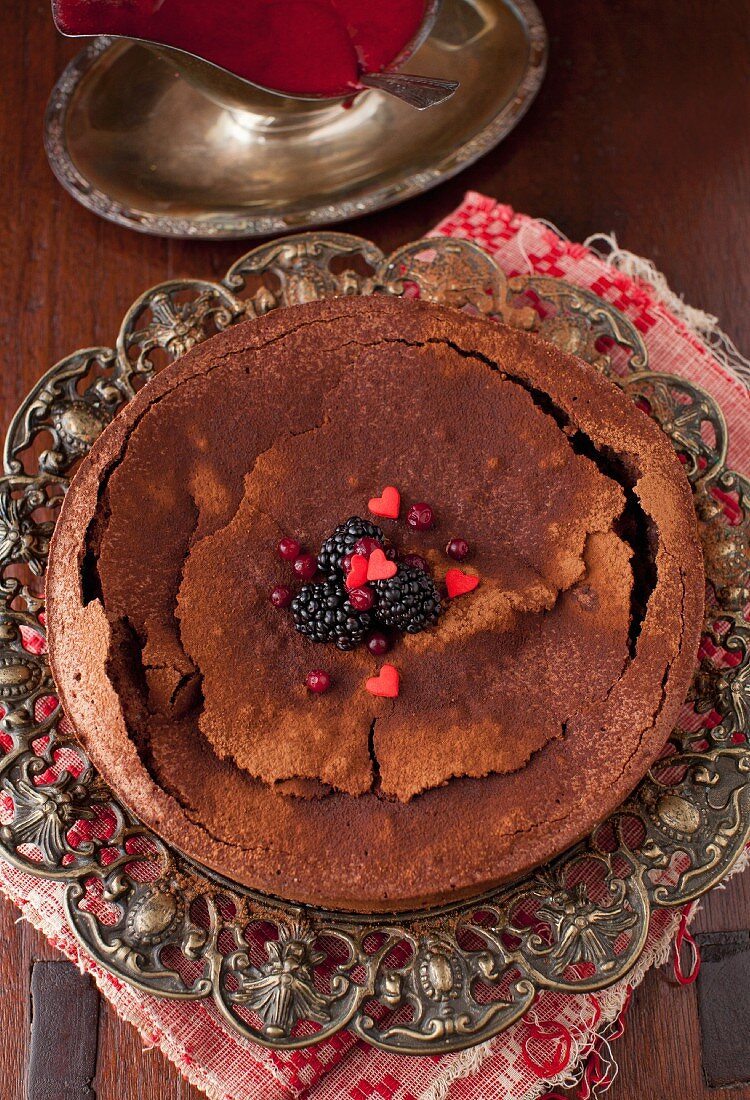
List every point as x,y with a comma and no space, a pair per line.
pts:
281,974
139,145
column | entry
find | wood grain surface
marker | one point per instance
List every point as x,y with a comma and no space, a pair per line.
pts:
641,128
64,1032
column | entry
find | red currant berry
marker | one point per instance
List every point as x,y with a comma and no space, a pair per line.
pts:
361,599
305,566
288,549
415,561
420,517
281,596
317,681
346,562
458,549
378,644
366,545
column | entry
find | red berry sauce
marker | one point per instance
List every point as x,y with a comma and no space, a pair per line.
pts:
302,47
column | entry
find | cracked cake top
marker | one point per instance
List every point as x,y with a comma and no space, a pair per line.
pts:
521,711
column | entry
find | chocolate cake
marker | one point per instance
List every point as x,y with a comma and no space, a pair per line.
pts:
534,672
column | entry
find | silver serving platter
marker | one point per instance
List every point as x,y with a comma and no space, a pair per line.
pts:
138,144
282,974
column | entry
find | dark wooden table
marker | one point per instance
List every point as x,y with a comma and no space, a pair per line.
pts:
641,128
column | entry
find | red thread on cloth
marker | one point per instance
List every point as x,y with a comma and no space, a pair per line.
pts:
549,1062
596,1073
618,1025
684,936
597,1011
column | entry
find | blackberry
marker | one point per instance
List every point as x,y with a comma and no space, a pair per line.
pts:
342,542
322,613
409,601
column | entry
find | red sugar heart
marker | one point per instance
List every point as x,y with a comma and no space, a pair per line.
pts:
459,583
387,505
379,568
357,575
385,683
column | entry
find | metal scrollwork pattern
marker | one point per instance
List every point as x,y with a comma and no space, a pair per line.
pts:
422,982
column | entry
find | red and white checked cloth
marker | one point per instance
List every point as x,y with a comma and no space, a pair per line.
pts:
551,1041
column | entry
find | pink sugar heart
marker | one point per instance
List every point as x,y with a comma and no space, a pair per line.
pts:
379,568
358,570
385,684
388,504
459,583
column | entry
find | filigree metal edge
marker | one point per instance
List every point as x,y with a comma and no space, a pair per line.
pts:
410,984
